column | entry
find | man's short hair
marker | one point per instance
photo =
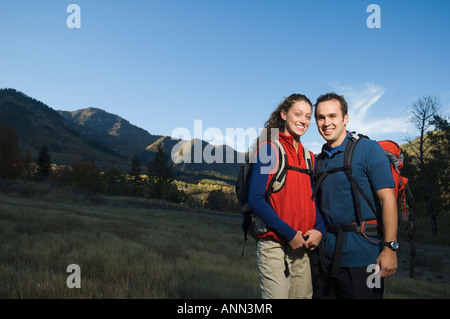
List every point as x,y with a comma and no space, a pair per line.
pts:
332,96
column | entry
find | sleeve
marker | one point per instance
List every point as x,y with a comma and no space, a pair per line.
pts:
320,224
256,197
379,168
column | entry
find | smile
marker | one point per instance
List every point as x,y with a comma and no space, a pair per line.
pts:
328,131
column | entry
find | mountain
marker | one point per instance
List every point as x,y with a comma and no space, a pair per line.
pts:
37,124
110,130
108,139
198,159
127,139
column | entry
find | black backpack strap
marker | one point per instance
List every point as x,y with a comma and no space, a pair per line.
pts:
309,170
319,176
356,189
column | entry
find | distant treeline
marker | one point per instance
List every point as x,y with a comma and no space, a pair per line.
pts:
158,182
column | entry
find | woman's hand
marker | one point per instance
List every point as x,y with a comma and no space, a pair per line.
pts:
297,241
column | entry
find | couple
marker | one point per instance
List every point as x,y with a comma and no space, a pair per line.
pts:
300,225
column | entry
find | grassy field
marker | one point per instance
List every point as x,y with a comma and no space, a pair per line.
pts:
129,248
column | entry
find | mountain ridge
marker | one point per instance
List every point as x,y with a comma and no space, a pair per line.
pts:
109,129
104,138
37,124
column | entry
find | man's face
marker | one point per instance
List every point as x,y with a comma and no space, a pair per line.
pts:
331,123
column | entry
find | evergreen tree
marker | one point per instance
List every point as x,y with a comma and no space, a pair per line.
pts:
9,153
135,173
160,169
44,161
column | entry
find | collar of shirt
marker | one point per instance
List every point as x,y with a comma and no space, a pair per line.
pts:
330,151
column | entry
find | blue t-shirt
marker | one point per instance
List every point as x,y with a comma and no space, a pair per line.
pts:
371,170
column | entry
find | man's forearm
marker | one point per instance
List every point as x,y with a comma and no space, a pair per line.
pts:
389,213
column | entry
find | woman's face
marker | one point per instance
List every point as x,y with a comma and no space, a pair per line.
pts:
297,119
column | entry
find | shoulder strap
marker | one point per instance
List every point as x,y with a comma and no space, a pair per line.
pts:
319,177
309,164
356,189
279,178
307,157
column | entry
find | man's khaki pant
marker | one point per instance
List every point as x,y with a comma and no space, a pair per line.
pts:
283,273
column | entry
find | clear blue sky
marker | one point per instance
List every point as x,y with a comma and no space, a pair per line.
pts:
163,64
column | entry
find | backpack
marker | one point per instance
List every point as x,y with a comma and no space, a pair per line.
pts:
251,223
403,194
371,228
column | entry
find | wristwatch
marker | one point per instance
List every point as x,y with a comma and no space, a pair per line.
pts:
392,245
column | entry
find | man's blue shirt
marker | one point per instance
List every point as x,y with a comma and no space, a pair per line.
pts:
371,170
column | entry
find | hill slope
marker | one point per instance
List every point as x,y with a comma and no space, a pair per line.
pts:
127,139
107,139
198,159
37,124
110,130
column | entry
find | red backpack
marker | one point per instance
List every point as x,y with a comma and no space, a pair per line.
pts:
405,199
402,192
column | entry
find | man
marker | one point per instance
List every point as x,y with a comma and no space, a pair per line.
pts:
353,240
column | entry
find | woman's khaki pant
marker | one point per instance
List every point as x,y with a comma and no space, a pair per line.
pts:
283,273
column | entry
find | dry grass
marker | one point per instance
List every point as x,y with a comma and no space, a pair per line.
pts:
135,248
122,252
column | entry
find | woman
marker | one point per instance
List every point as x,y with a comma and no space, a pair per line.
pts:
290,214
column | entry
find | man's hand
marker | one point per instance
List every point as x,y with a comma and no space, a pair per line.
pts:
313,240
387,261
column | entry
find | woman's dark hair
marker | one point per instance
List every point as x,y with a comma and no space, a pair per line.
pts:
275,120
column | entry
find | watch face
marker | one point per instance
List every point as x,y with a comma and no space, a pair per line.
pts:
394,245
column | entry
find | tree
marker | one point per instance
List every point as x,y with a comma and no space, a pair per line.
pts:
160,169
87,177
115,182
9,153
422,115
27,165
135,173
44,162
216,200
438,164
